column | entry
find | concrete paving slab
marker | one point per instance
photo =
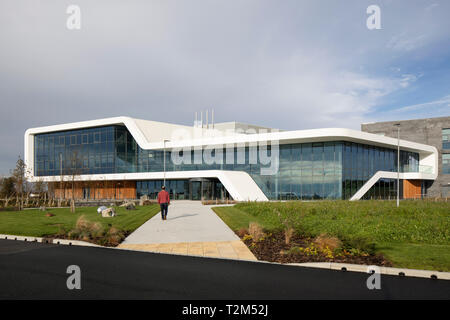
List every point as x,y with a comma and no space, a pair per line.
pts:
187,221
223,249
190,229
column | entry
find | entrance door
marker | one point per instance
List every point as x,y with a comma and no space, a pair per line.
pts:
86,193
205,189
196,190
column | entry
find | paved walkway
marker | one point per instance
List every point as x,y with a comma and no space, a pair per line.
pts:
192,229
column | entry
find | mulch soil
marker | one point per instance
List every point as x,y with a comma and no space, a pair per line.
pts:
274,249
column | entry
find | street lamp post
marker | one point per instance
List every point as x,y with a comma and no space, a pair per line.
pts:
61,182
398,163
164,160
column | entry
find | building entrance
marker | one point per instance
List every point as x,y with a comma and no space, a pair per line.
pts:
86,193
206,189
190,189
195,190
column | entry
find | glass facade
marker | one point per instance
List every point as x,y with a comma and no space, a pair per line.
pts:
193,189
361,162
322,170
176,188
446,163
446,139
86,151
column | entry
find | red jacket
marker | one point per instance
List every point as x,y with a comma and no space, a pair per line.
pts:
163,197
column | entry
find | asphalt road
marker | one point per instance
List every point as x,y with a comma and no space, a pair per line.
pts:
38,271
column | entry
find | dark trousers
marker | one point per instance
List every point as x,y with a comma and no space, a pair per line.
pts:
164,207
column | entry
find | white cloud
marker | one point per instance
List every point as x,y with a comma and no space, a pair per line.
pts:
407,79
406,42
432,6
292,65
430,106
435,108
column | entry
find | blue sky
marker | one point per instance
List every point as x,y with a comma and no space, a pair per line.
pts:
287,64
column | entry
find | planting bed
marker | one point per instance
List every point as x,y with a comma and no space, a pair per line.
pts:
274,249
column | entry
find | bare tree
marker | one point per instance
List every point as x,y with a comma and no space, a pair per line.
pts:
40,188
2,179
74,172
62,187
19,174
27,191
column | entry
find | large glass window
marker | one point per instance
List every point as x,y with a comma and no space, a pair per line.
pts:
446,139
446,163
74,153
361,162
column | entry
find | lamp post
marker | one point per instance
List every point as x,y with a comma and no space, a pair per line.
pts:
164,160
61,182
398,163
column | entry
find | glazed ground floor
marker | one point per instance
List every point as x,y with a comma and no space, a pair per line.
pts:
185,189
208,189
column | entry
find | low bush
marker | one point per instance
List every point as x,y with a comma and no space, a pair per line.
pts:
288,234
359,245
86,230
256,231
112,237
324,241
242,232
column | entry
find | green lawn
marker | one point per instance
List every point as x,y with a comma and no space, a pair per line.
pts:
417,256
416,235
35,223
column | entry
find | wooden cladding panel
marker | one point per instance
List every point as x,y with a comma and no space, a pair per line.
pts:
412,189
97,190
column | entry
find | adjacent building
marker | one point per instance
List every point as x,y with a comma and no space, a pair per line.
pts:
430,131
122,157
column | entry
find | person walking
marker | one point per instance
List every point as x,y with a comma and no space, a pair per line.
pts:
164,201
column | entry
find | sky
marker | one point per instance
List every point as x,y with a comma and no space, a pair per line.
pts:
286,64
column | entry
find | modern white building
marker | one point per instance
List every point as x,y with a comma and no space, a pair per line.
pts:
123,157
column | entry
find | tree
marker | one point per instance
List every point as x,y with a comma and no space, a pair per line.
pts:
40,188
7,189
74,171
19,175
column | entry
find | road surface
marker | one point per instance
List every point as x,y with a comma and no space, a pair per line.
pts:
38,271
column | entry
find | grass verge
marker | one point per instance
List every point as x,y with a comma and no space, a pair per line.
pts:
36,223
416,235
417,256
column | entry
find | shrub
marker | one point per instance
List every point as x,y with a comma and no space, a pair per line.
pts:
82,223
96,232
310,250
358,245
242,232
295,250
324,241
113,237
256,231
288,233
